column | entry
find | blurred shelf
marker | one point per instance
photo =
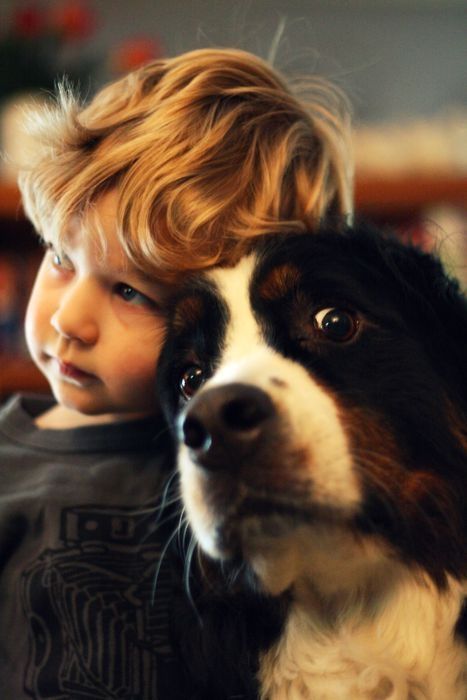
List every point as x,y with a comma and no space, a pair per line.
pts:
20,374
10,201
407,194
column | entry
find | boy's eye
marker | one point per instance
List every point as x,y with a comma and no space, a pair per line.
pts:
131,295
60,260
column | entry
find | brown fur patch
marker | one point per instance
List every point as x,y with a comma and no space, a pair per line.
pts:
416,492
275,381
458,426
189,311
279,281
374,448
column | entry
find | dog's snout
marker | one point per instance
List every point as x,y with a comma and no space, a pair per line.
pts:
195,434
246,409
225,422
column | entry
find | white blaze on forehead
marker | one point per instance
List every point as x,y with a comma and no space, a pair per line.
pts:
243,333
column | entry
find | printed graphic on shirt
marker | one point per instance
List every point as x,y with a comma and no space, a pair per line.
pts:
95,632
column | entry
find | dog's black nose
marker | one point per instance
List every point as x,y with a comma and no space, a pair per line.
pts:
225,423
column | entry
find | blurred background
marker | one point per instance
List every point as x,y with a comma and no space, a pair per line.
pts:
403,64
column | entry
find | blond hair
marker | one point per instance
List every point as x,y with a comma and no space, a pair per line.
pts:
207,150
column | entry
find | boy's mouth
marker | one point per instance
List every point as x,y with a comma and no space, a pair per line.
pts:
70,371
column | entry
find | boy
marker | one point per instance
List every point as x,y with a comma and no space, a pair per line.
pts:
166,171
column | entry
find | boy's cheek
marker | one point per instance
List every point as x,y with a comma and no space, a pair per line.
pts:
136,389
34,326
39,309
134,369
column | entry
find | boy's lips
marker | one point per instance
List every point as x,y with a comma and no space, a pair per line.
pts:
67,369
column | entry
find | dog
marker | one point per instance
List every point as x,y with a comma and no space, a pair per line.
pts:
317,391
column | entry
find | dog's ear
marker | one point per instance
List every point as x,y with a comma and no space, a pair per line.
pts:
439,302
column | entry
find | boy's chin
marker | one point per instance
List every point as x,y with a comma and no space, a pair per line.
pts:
78,406
72,399
61,417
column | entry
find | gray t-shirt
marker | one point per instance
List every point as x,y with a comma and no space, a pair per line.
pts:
80,544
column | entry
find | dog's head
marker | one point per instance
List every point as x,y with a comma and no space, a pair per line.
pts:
319,394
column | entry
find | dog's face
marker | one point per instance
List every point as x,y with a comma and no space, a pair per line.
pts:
319,394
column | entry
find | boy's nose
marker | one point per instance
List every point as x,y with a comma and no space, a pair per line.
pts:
75,317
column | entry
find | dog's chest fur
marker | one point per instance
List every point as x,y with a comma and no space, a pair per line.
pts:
404,651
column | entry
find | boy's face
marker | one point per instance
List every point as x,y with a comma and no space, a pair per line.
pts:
94,324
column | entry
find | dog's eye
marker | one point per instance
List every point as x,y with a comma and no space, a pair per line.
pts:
190,381
336,324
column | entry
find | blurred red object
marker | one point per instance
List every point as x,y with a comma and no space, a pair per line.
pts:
73,19
135,52
28,21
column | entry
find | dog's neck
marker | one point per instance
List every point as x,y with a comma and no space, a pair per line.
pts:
396,646
363,601
330,571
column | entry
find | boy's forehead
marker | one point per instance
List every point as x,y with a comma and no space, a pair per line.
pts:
95,233
96,236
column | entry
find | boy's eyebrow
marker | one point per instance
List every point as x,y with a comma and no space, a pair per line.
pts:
144,277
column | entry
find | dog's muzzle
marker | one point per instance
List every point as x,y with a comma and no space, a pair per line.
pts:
226,424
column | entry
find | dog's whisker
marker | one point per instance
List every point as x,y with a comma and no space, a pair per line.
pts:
160,563
183,525
163,432
192,548
186,532
169,497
